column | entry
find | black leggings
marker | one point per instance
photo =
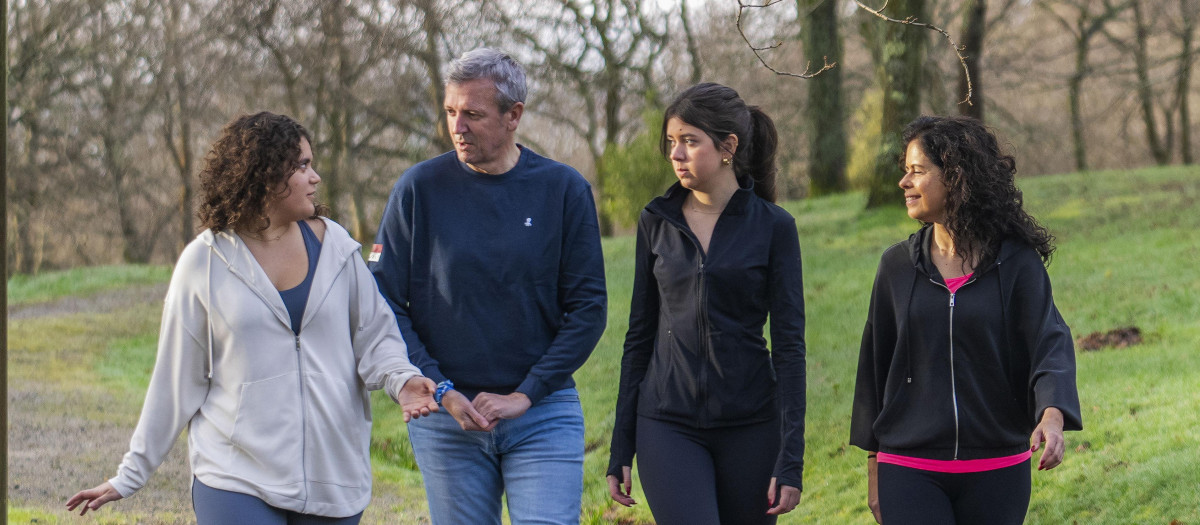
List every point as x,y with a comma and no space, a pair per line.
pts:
994,497
707,476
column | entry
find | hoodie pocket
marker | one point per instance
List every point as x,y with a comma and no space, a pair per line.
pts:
268,432
339,431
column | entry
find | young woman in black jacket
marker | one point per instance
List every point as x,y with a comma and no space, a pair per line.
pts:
966,366
715,418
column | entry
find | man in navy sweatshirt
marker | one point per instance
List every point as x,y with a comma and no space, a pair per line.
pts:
490,257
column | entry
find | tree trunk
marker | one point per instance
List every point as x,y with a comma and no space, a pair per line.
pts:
1074,87
899,75
693,47
26,196
826,109
180,113
431,22
1160,151
136,248
1184,81
974,32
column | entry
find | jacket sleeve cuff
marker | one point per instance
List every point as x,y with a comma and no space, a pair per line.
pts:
396,381
123,486
617,462
791,481
534,389
433,373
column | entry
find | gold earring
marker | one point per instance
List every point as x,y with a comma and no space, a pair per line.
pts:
727,161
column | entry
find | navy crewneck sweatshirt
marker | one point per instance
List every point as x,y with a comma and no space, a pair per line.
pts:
497,281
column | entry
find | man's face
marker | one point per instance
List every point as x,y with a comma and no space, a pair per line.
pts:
482,135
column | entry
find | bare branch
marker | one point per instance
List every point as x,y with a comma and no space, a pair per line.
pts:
912,21
808,73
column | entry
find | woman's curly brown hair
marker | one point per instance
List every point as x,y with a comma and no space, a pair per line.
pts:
983,204
248,163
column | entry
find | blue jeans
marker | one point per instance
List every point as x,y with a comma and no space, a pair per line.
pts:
536,460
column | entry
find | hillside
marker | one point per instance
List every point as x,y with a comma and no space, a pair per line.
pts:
1129,241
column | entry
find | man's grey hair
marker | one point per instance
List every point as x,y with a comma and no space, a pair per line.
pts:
501,69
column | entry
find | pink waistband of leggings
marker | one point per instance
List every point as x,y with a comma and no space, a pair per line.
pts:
958,466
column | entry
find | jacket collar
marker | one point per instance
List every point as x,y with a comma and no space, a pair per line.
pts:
670,204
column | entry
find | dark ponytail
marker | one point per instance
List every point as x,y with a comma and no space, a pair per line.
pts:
758,162
720,112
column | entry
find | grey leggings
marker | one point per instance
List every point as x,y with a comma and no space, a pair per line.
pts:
223,507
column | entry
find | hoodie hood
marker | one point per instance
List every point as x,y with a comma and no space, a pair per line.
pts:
227,247
919,245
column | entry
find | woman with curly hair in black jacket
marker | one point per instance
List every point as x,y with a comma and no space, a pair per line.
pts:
966,367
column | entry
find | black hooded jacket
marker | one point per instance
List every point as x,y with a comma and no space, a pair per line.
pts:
966,375
695,352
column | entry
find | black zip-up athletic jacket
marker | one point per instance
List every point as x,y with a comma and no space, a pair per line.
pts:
694,352
965,375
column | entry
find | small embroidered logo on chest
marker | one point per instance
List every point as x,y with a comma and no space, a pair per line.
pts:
528,221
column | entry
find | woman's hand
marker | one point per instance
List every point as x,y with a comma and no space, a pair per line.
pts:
873,488
1050,431
94,498
614,487
416,398
789,497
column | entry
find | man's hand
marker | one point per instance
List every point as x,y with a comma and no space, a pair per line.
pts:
495,407
1050,431
416,398
464,412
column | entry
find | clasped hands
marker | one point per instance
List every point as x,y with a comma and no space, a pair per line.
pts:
485,410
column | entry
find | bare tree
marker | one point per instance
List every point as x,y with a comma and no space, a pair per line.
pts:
1185,30
1160,145
123,91
362,81
603,53
184,97
43,52
1083,24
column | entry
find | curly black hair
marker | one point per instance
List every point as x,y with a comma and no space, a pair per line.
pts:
983,203
247,168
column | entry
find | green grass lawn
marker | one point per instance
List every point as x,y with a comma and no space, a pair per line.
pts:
1129,247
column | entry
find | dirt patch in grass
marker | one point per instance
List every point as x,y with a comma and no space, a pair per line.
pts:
1116,338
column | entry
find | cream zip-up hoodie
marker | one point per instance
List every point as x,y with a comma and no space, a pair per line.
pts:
281,417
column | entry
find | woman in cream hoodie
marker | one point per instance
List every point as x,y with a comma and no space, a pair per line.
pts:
273,332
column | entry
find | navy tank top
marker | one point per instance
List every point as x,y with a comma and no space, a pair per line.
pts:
296,298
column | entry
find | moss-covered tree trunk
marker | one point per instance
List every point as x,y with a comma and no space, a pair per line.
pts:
974,31
826,110
899,74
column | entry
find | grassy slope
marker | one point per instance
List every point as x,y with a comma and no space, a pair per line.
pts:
1128,242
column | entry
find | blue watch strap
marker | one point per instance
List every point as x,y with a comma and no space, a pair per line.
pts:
442,388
